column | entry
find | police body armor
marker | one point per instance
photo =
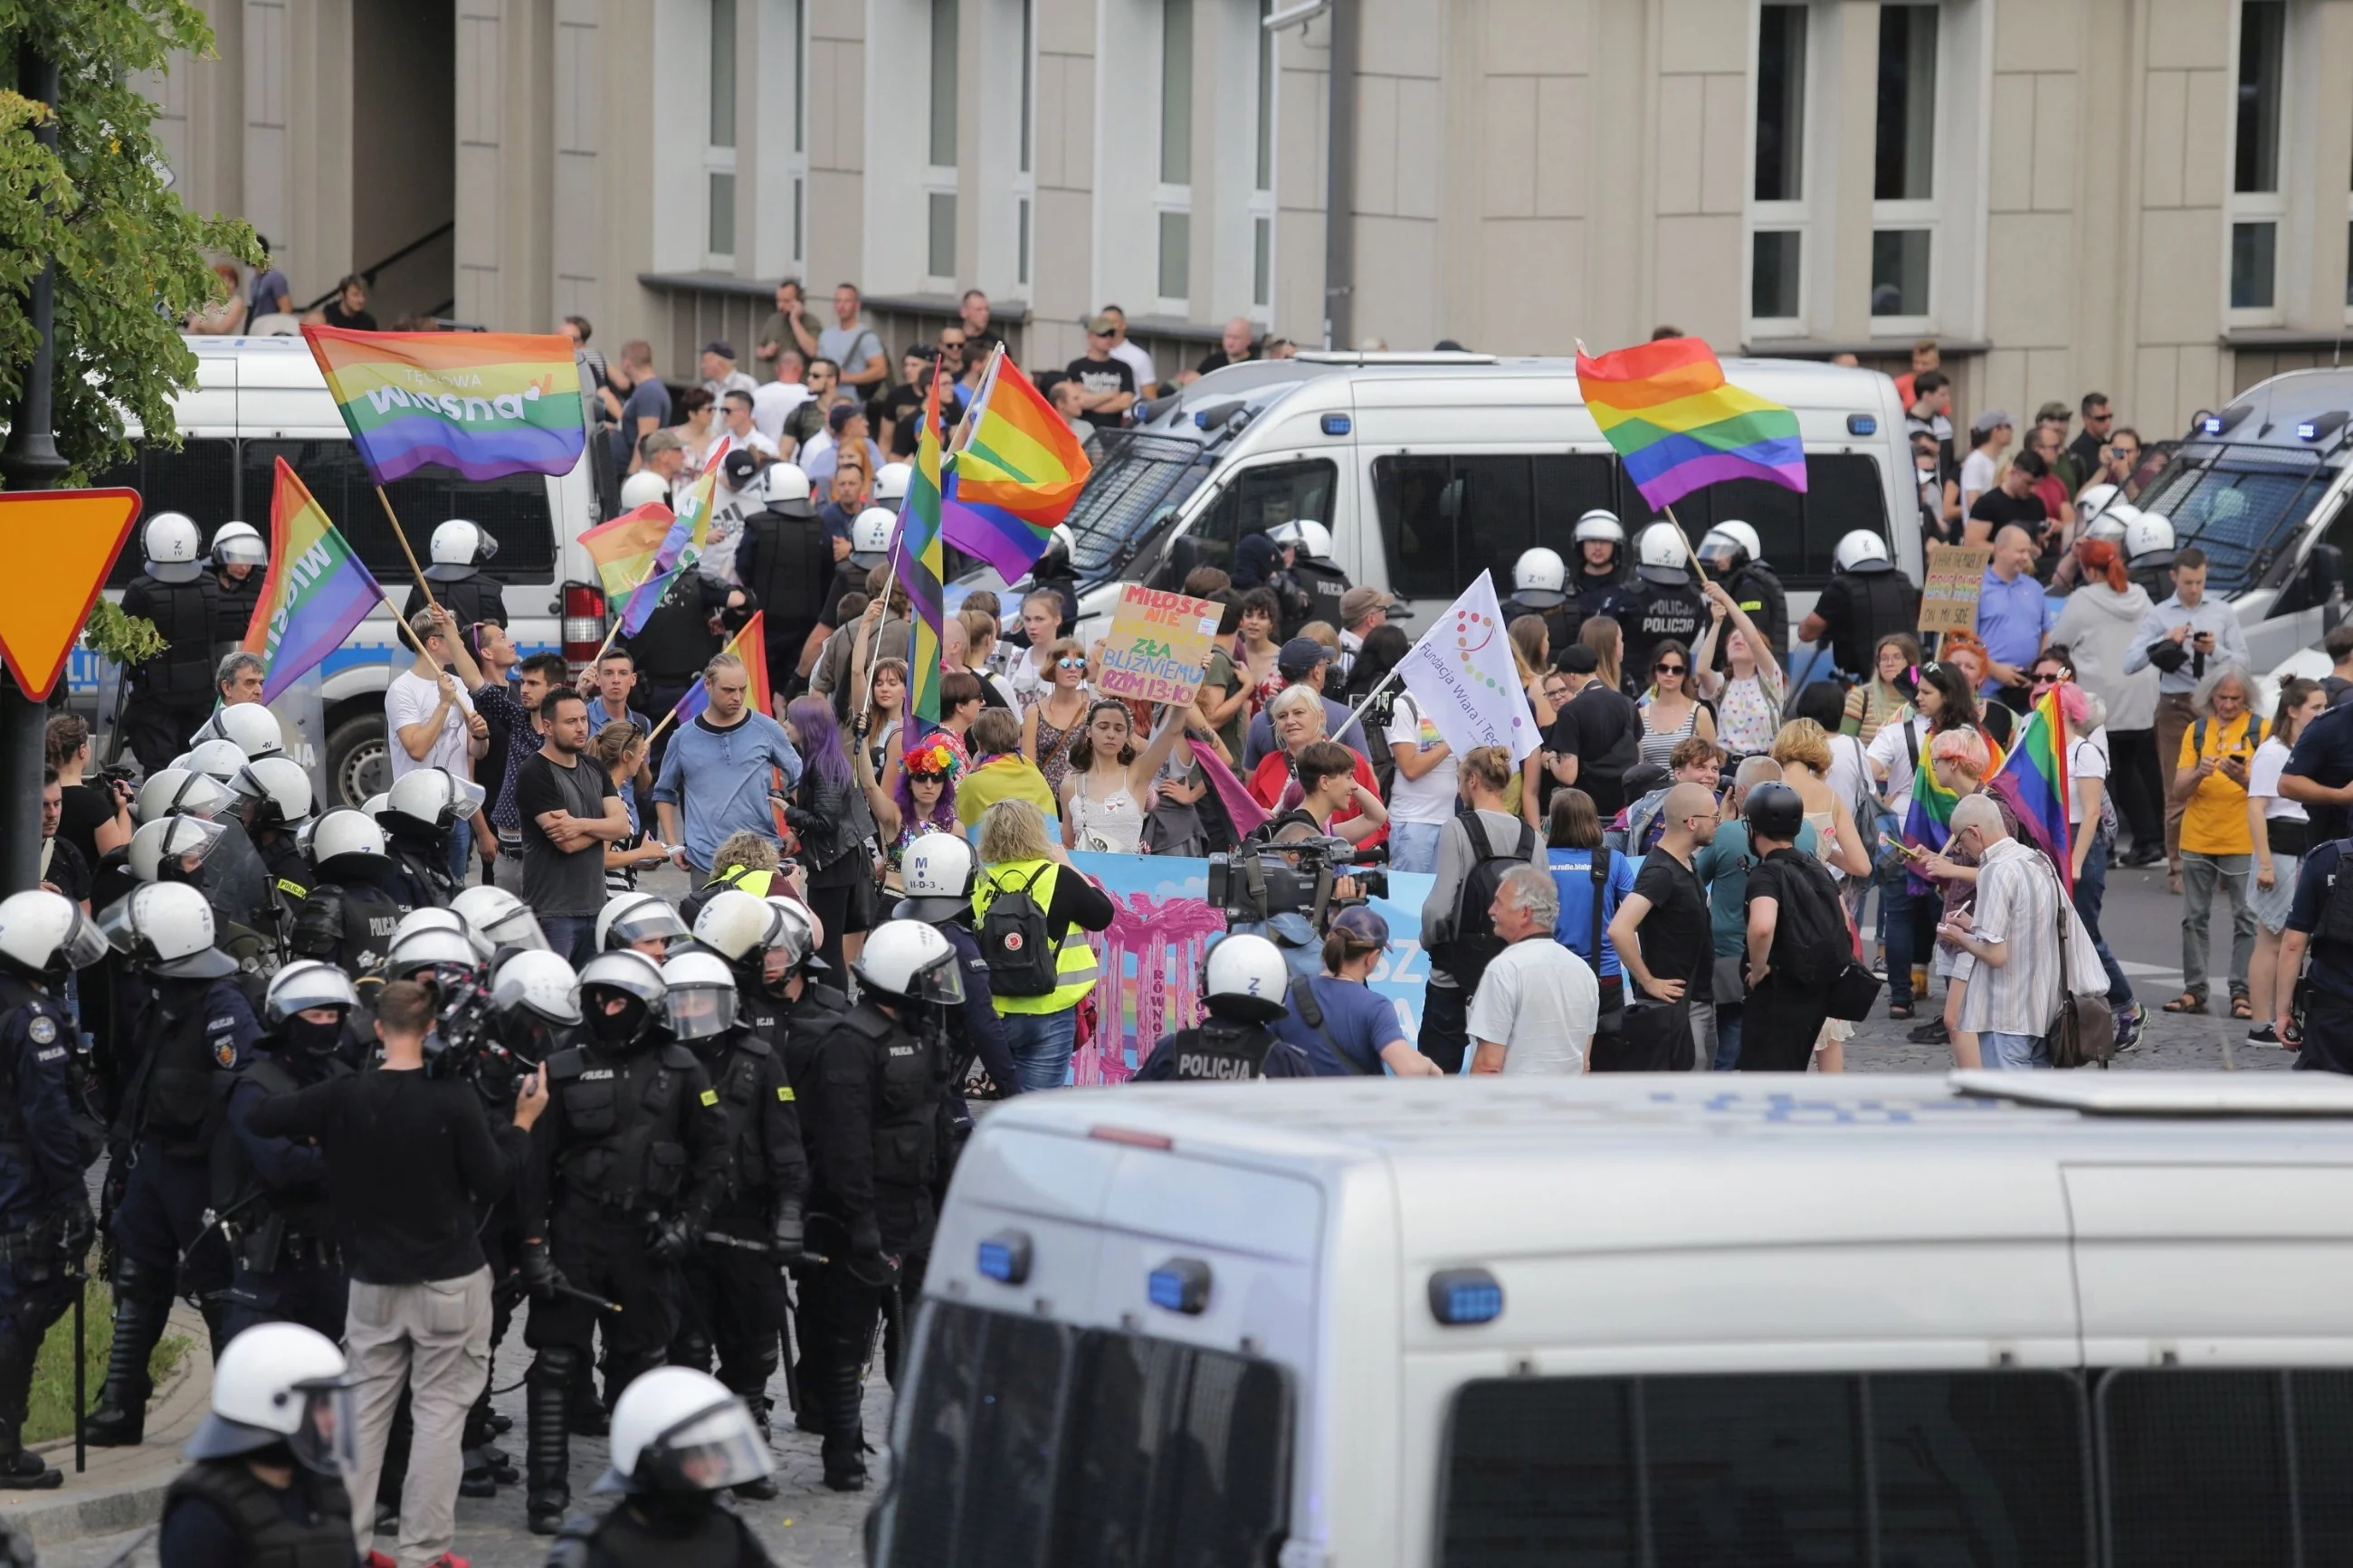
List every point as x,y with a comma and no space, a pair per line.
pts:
627,1115
16,996
1221,1050
348,924
741,1072
267,1218
1324,584
183,613
720,1539
676,640
178,1098
1757,590
2336,910
1663,611
233,606
1877,603
426,864
269,1539
803,1026
902,1069
794,565
468,599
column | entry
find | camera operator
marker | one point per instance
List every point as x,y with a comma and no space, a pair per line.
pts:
1336,1018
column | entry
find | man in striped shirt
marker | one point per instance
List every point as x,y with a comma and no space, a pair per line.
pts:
2014,991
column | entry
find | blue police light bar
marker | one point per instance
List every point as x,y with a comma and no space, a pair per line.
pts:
2308,430
1180,1284
1336,424
1863,425
1459,1296
1005,1258
2211,425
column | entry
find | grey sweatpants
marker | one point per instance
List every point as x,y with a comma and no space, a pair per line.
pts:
434,1340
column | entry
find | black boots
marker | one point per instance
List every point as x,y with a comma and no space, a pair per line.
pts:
548,1452
143,1301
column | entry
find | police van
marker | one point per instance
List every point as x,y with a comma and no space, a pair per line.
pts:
1429,467
2003,1319
258,399
2262,488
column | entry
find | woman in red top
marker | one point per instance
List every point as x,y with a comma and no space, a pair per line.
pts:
1298,717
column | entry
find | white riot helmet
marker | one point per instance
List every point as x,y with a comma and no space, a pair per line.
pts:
700,1002
498,918
2113,522
676,1429
1538,578
936,872
627,974
344,832
786,489
736,924
1730,545
2148,542
277,788
182,842
180,792
798,934
1862,551
629,917
1314,540
869,536
1600,526
302,985
239,545
42,933
642,488
908,961
376,805
539,981
1662,557
219,761
459,547
432,949
282,1383
2094,497
169,545
431,799
891,482
1245,978
248,726
168,928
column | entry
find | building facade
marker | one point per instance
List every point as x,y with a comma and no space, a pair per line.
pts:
2150,197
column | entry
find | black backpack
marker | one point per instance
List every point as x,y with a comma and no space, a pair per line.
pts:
1810,942
1013,939
1473,944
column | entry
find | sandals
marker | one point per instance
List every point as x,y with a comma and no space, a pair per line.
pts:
1899,1010
2242,1007
2188,1002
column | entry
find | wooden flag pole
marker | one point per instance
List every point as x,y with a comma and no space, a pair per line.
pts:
1690,549
665,721
401,535
609,637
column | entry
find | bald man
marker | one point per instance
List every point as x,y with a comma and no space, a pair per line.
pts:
1661,931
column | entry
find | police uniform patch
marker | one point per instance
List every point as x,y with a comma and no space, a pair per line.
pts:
54,1054
784,1092
710,1097
224,1051
42,1029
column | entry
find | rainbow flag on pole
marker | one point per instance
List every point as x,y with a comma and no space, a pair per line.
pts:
1678,425
624,548
751,646
315,591
1016,475
919,564
484,403
690,531
2033,778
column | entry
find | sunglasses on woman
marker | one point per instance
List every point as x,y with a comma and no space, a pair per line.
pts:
1071,664
1666,669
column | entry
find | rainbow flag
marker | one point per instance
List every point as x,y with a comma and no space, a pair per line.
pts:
644,600
751,646
1678,425
315,591
1930,823
484,403
624,548
1015,474
919,564
690,531
2036,772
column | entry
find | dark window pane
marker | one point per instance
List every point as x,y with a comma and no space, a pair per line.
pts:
1974,1469
1899,271
2324,1458
513,510
921,1518
1781,103
1260,499
2254,265
1016,1411
1540,1474
2196,1471
1752,1470
1904,170
1566,489
2262,37
1417,525
1227,1486
198,478
1843,492
1498,513
1773,273
1777,515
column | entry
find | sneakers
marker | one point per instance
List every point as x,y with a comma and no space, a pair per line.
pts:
2131,1025
1932,1033
2266,1035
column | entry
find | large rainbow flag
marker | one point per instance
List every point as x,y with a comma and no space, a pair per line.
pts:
1678,425
315,591
2035,774
1015,474
484,403
624,548
919,564
1930,822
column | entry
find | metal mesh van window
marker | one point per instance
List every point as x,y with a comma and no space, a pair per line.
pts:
1921,1470
2207,1467
198,477
512,510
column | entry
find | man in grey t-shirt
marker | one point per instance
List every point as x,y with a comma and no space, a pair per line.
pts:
853,345
569,811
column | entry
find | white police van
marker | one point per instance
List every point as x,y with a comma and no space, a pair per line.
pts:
2010,1319
260,399
1429,467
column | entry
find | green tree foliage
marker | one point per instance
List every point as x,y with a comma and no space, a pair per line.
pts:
130,259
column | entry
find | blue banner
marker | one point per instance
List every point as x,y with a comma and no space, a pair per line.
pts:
1151,956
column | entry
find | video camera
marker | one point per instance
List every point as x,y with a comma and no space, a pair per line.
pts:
464,1044
1297,876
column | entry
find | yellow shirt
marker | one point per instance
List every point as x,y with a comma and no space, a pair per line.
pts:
2215,820
1003,778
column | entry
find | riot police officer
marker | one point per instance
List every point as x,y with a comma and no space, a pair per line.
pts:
272,1193
248,726
732,1295
192,1023
169,695
785,559
1734,556
47,1138
1316,584
628,1160
1667,604
239,556
936,874
1865,599
679,1440
271,798
2150,553
281,1402
1539,578
420,811
356,899
1243,984
678,638
641,922
460,550
765,943
868,1090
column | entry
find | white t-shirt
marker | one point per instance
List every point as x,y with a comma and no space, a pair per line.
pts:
2264,781
2087,758
1888,750
1431,797
1140,363
1850,779
773,403
1540,1002
1977,476
410,700
730,506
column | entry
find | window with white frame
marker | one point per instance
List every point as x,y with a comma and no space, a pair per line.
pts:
1262,202
1173,198
1025,179
1777,211
798,164
940,176
1904,211
2258,198
719,149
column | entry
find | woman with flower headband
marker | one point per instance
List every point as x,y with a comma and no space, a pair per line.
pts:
1107,794
922,800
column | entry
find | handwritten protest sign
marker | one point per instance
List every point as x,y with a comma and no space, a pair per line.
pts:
1159,649
1949,601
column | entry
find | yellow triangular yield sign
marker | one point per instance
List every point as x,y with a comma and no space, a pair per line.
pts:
59,545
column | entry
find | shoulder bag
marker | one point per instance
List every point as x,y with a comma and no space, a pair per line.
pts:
2086,1030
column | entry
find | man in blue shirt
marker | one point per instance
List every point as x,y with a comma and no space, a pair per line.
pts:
2011,616
1360,1033
720,767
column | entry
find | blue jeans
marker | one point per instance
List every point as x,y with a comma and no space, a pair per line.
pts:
462,850
572,937
2014,1053
1903,914
1041,1044
1413,846
2091,893
1727,1036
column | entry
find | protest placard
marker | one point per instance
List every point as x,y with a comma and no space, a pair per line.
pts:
1948,602
1158,648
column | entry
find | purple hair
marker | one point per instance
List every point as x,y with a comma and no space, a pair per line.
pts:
821,754
943,815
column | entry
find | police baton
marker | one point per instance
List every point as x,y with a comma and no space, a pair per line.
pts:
566,1288
744,1244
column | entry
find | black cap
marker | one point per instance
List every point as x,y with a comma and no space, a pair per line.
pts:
1577,660
1774,810
739,466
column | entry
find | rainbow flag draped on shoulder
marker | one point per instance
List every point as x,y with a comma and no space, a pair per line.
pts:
315,591
2033,779
1015,474
484,403
918,563
1678,425
1930,823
